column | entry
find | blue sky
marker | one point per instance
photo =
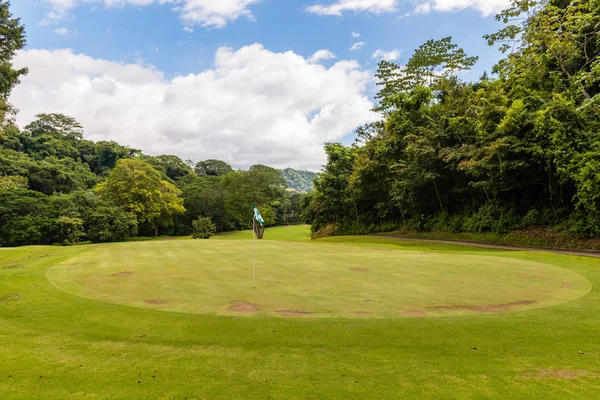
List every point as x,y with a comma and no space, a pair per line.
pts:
97,61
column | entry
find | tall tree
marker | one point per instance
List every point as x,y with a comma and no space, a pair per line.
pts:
212,168
138,188
431,62
12,38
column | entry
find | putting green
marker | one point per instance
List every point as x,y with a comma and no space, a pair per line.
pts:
312,279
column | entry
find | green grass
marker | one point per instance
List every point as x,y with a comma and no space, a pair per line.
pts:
531,237
293,233
209,276
54,345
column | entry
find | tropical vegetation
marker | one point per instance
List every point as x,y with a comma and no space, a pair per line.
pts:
515,149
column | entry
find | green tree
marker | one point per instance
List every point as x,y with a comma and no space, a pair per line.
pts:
173,167
206,197
71,229
108,223
432,62
259,185
138,188
12,39
212,168
27,217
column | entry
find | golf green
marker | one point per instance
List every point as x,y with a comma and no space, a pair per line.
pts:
311,280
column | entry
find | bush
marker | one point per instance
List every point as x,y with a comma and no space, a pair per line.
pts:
492,218
203,228
327,231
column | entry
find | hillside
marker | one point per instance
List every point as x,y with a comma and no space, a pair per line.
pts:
299,180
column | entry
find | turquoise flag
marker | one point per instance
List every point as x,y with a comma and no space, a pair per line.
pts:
258,217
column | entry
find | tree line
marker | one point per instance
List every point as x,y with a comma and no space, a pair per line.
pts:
515,149
58,187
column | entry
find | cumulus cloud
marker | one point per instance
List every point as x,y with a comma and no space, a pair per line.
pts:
320,56
391,55
357,46
486,7
207,13
355,34
251,106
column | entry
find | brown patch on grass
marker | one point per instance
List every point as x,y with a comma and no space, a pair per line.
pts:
547,373
567,285
413,314
155,302
243,307
10,297
492,308
124,273
293,313
15,266
361,313
360,269
367,300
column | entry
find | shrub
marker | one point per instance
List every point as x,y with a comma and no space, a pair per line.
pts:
492,218
327,231
203,228
532,218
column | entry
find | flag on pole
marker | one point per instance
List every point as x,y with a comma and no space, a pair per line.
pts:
258,217
257,233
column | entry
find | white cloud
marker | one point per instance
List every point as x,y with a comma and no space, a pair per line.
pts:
63,31
321,55
207,13
373,6
355,34
392,55
486,7
357,46
252,106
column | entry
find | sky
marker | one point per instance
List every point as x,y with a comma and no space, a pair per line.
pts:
244,81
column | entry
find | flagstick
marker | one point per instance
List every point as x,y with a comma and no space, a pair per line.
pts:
254,253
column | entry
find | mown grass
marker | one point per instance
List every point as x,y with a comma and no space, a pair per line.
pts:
293,233
310,279
54,345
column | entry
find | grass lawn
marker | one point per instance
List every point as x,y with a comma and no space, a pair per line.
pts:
178,319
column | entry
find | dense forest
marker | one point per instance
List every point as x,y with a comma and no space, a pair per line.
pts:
517,148
58,187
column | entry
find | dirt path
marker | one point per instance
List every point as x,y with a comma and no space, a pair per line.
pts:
584,253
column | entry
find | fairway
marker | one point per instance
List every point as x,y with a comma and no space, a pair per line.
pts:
311,279
345,317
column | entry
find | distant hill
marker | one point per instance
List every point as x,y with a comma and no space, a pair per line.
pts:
300,181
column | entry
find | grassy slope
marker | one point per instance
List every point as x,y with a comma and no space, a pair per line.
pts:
293,233
55,346
540,238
